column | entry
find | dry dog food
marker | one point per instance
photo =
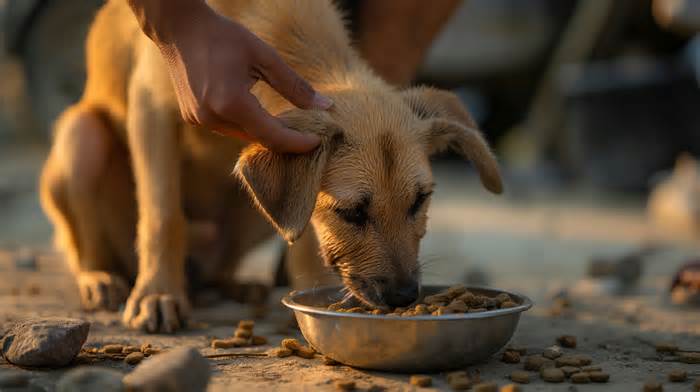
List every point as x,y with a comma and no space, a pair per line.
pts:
692,358
246,324
510,357
345,385
131,349
520,376
537,362
580,378
297,348
459,381
282,352
569,370
666,347
568,341
677,375
599,376
456,299
134,358
145,346
113,349
291,344
552,375
589,369
569,360
421,381
305,352
486,387
653,386
510,388
553,352
258,340
518,349
151,351
243,333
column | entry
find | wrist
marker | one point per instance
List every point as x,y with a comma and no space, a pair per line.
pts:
164,20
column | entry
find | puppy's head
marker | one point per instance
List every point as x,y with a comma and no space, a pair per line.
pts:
367,187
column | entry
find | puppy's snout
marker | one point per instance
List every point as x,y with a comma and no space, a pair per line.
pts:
403,295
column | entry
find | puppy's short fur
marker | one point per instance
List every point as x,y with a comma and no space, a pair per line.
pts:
124,166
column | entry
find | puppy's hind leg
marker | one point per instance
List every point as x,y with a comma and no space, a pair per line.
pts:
70,181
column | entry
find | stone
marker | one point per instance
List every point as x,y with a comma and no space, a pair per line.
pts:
179,369
91,379
42,342
13,379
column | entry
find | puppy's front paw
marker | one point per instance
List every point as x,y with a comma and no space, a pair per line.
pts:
152,308
101,290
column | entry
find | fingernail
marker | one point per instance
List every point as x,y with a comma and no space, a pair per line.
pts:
322,102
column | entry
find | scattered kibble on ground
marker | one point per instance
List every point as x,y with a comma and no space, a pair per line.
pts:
677,375
666,347
486,387
653,386
520,376
134,358
599,376
511,388
112,348
554,375
510,357
568,341
580,378
459,380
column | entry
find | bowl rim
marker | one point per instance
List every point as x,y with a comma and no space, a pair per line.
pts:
288,301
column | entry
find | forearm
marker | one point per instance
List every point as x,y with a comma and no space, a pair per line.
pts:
160,20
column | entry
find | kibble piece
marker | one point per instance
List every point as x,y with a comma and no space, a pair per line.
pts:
282,352
243,333
422,309
328,361
677,375
456,291
112,348
599,376
510,357
335,307
222,343
653,386
356,309
666,347
291,344
151,351
345,385
568,360
377,312
552,352
568,341
134,358
246,324
693,358
569,370
433,299
457,306
131,349
145,346
580,378
486,387
584,360
511,388
537,362
459,381
508,304
421,380
554,375
305,352
520,376
258,340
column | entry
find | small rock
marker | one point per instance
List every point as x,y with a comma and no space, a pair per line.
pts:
677,375
520,376
552,375
13,379
486,387
511,388
421,380
653,386
599,376
537,362
568,341
580,378
42,342
179,369
510,357
134,358
91,379
552,352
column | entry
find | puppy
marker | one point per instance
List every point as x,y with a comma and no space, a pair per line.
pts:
124,167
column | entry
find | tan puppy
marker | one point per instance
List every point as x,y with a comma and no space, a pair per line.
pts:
124,166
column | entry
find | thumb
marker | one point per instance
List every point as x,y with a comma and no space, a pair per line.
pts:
289,84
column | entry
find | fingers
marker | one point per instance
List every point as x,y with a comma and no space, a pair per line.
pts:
286,82
270,132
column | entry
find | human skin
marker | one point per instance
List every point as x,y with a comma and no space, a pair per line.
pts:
213,63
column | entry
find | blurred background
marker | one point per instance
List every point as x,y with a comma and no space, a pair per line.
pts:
592,106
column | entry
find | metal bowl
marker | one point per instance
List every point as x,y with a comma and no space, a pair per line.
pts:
404,344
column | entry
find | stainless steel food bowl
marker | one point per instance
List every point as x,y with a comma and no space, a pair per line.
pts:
404,344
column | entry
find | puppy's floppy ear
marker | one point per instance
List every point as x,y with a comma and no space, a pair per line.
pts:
284,187
451,127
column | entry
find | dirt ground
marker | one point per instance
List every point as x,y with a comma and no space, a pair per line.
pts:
534,241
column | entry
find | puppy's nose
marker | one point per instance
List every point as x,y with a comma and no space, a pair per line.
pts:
403,296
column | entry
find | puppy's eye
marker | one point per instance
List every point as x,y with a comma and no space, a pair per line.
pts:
421,197
356,216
